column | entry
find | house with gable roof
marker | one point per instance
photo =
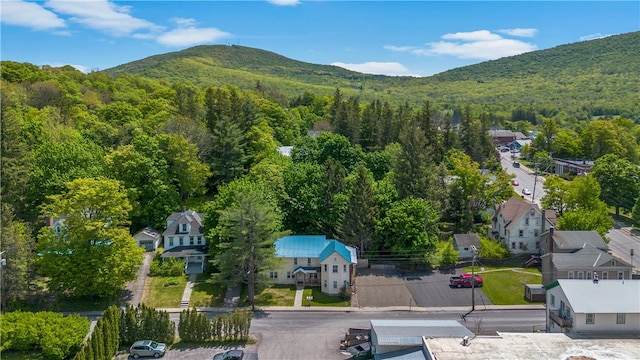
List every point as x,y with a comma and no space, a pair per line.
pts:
314,260
518,225
148,238
579,254
593,306
184,240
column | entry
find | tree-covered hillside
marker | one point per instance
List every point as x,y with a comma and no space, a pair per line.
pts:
590,78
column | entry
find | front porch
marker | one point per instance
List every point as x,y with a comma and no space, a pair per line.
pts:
307,276
193,256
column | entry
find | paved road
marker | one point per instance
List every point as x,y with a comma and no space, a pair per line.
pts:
316,334
525,177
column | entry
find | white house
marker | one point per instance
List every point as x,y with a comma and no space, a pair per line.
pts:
593,306
518,224
184,240
314,260
148,238
465,244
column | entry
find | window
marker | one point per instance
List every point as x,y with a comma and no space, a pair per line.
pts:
605,275
184,227
588,275
580,275
532,212
620,275
273,274
295,261
191,240
521,245
181,241
526,222
335,284
591,318
520,233
314,275
537,221
536,232
570,274
513,245
335,268
537,244
553,300
308,261
325,267
325,283
288,274
199,240
620,318
344,268
171,241
613,263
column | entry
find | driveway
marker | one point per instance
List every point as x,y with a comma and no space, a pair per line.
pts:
377,288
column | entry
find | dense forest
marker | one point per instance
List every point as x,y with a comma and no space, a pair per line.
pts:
112,152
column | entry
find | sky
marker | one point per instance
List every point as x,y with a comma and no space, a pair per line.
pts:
414,38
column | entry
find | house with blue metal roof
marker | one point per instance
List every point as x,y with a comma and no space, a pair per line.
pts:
314,260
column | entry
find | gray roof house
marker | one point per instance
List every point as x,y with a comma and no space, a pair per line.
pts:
593,306
464,244
571,240
148,238
184,239
587,262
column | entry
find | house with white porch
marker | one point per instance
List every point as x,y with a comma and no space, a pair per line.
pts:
593,306
314,260
184,240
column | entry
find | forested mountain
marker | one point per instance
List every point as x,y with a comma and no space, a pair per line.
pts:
590,78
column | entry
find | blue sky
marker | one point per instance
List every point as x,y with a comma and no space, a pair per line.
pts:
418,38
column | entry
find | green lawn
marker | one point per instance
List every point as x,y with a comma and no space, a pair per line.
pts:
165,292
504,286
320,299
206,294
276,296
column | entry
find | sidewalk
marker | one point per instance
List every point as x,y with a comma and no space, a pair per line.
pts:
186,295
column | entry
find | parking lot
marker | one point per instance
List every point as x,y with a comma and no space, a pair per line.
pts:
376,288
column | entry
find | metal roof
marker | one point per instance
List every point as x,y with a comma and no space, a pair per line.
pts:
313,246
410,332
603,297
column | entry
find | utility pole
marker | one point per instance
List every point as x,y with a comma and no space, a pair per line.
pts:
473,278
252,280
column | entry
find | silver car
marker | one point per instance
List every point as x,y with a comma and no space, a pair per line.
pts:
147,348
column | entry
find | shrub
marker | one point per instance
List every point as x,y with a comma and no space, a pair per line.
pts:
169,267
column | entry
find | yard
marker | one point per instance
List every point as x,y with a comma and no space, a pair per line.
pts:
505,286
165,291
206,294
320,299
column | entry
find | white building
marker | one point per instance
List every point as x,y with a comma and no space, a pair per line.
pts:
518,224
184,240
593,306
314,260
148,238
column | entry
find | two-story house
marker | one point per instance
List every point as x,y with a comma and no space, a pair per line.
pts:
314,260
593,306
184,240
579,255
518,225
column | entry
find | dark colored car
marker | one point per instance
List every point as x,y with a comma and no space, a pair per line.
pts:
147,348
235,355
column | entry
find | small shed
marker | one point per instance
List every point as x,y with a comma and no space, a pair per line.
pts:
464,244
535,292
148,238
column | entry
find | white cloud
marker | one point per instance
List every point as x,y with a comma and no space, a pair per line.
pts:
188,36
592,37
29,14
521,32
284,2
481,44
399,48
372,67
102,15
184,22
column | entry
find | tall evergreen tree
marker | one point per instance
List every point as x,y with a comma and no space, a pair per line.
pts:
414,168
228,157
358,220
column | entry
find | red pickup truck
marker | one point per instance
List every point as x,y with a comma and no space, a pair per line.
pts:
465,280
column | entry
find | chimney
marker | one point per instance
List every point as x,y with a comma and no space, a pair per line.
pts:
550,244
184,209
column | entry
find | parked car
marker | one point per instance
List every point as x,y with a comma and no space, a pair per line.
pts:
516,164
235,355
515,182
147,348
526,191
514,156
465,280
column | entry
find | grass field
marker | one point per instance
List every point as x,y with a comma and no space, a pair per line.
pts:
276,296
165,292
320,299
206,294
505,286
